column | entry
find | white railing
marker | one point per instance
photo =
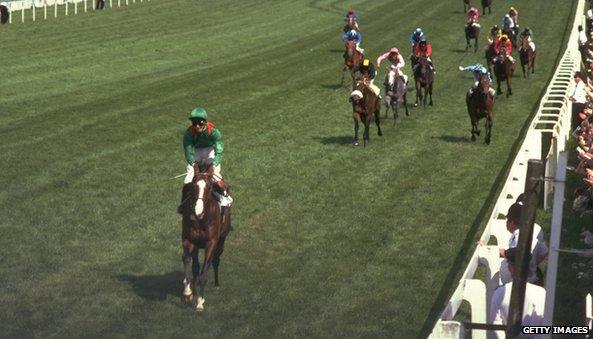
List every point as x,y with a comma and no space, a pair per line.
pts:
552,121
29,8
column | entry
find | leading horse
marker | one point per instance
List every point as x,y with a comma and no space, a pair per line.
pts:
424,78
503,70
203,226
363,111
480,104
352,58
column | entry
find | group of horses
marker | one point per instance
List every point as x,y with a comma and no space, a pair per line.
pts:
367,108
480,103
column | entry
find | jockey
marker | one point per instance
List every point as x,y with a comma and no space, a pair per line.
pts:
366,68
506,42
397,62
416,36
478,71
528,34
347,18
353,35
473,15
514,14
508,24
495,34
424,48
202,142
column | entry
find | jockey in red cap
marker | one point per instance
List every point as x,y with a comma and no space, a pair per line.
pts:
505,42
397,62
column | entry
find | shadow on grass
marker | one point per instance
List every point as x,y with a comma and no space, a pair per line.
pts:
339,140
331,86
457,50
155,287
452,138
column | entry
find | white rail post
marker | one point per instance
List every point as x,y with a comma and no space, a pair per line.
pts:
85,6
127,2
75,7
589,311
66,7
118,3
23,14
55,8
44,9
110,3
33,2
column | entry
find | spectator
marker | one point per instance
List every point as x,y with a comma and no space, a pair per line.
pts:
539,249
4,12
578,98
533,304
100,4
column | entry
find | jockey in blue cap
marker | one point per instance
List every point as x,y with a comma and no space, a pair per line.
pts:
478,71
353,35
416,36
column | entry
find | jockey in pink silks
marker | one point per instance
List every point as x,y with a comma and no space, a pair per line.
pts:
396,63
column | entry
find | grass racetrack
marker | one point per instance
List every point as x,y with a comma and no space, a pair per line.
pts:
329,241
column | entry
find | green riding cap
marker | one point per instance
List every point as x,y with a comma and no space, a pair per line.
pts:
198,113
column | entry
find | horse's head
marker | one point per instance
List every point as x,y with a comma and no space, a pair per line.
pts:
202,186
484,84
350,48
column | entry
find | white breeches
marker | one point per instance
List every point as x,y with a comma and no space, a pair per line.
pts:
358,48
395,71
374,88
203,154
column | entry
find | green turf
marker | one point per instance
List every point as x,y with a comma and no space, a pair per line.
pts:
330,240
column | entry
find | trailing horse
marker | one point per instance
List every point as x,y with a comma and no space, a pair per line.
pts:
503,70
527,56
352,58
395,96
486,4
203,226
472,32
423,78
480,104
363,111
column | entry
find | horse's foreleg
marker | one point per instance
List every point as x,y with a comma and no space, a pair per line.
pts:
430,93
216,260
488,129
498,89
342,77
509,88
476,45
356,121
203,276
418,95
467,44
187,259
406,104
378,119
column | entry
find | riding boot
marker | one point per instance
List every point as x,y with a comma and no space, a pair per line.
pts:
223,190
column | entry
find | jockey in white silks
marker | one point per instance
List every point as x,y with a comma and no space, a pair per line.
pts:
396,63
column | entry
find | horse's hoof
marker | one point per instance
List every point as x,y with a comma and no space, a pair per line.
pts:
186,298
379,133
200,305
473,137
430,103
487,141
478,132
355,143
415,105
407,113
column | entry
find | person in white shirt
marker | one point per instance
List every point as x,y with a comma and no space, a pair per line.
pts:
533,304
539,249
578,98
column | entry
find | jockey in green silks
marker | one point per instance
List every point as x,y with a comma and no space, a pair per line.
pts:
202,143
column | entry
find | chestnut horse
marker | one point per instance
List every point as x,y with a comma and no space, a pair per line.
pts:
203,226
503,70
527,56
472,32
424,78
352,58
467,4
364,109
486,4
480,104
